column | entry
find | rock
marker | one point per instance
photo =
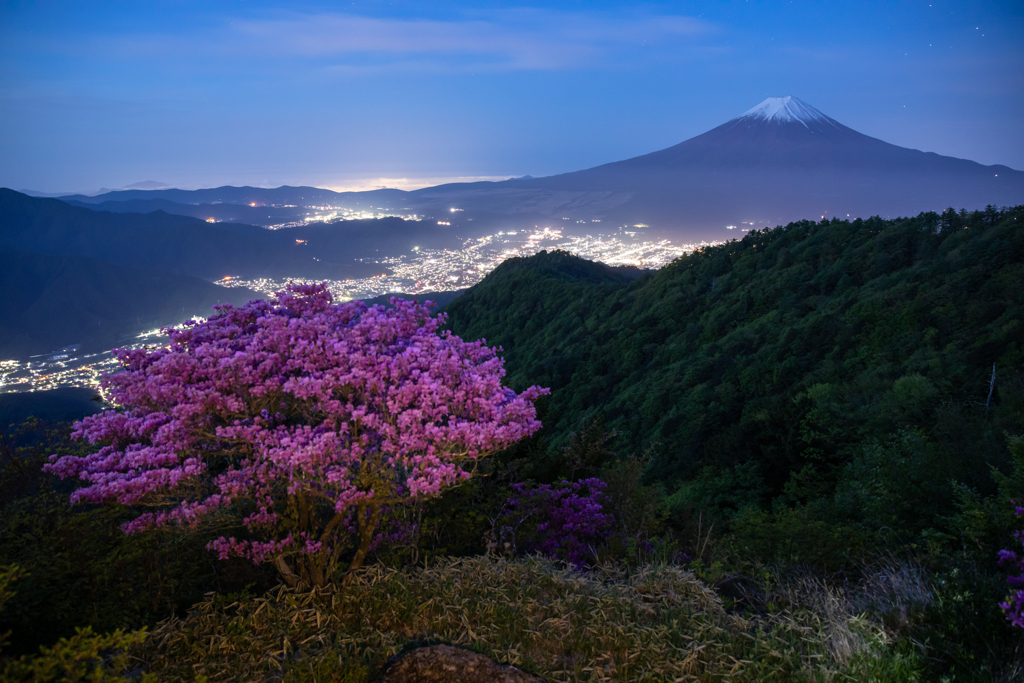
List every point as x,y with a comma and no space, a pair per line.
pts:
447,664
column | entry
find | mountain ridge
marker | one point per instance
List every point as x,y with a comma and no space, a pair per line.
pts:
190,246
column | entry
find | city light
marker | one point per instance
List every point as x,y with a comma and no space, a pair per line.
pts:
70,369
439,270
421,270
328,214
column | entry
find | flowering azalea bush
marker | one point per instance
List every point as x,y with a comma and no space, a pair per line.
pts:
564,521
301,419
1014,605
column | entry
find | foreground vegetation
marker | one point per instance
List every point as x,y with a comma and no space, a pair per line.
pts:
652,623
806,461
608,624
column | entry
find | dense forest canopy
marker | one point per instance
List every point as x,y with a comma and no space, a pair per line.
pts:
765,363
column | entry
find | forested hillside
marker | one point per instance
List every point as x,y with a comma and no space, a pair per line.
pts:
771,359
826,397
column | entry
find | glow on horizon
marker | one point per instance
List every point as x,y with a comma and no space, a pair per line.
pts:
405,183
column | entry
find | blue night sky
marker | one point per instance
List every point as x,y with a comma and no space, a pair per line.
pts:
404,94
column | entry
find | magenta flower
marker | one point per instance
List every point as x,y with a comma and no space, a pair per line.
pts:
292,414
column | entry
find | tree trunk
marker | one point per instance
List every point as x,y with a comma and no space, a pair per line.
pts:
366,529
286,572
991,388
313,571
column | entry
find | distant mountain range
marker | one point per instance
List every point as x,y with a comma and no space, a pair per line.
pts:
278,196
263,214
73,275
780,161
173,243
189,246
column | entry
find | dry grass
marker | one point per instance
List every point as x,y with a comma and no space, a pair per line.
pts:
898,593
840,632
658,623
821,623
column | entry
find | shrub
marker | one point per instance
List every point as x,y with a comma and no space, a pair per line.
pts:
564,521
300,418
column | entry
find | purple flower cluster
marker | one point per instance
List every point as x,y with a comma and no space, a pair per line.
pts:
1014,605
564,521
296,415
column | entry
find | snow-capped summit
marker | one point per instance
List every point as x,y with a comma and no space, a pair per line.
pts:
786,108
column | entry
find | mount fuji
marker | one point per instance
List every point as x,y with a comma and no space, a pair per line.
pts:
780,161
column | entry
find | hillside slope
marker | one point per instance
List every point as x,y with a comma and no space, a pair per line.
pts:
779,353
54,301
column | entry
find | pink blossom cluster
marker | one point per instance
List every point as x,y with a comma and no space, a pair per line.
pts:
295,399
259,551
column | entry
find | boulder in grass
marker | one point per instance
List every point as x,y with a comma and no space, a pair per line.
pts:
447,664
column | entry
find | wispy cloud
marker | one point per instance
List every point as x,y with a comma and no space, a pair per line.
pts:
350,43
515,39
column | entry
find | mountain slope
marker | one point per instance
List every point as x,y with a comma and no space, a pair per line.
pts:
780,351
54,301
183,245
57,405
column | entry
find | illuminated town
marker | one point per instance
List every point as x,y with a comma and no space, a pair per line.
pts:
67,368
422,270
439,270
328,214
